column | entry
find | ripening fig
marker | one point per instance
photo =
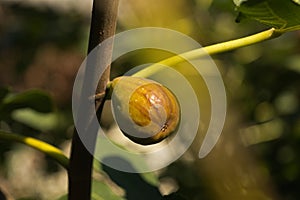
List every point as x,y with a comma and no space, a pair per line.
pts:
145,111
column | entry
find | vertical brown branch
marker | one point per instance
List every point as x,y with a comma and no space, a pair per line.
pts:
103,23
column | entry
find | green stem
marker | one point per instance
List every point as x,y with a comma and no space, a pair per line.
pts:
44,147
209,50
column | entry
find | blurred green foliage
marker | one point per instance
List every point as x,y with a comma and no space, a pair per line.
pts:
262,81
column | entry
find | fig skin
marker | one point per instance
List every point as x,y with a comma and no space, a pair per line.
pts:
146,111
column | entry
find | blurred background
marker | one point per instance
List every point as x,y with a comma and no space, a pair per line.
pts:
42,44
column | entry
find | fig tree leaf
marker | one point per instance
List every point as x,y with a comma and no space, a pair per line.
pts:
37,120
100,191
64,197
283,15
136,186
34,99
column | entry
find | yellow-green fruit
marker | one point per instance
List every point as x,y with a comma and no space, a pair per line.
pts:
146,111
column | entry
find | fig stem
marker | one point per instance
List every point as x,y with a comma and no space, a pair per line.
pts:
97,96
209,50
201,52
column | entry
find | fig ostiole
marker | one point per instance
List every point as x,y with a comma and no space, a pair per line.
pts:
146,111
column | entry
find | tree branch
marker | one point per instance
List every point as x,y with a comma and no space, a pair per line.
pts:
103,23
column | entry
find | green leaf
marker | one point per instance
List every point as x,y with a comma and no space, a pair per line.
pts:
283,15
100,191
37,120
64,197
34,99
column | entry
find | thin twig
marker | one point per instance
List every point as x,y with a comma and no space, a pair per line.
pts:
39,145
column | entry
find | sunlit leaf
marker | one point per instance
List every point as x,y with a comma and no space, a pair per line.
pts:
296,1
37,120
283,15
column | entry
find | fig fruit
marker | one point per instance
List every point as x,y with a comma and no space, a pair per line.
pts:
145,110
